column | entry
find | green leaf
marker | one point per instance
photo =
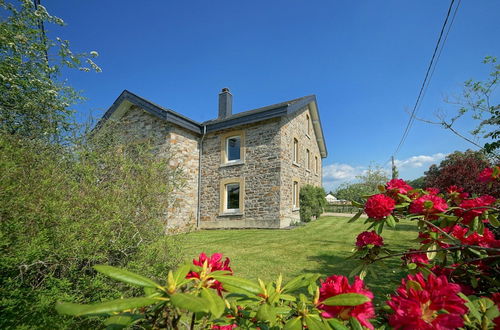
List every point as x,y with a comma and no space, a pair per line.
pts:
314,323
300,282
215,303
122,321
293,324
336,324
126,276
390,221
494,220
346,299
355,325
118,305
356,270
180,273
187,301
356,216
287,297
237,282
266,313
413,285
431,255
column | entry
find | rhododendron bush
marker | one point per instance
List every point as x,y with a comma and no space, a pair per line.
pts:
451,281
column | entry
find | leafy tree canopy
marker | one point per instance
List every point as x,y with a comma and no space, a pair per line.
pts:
34,102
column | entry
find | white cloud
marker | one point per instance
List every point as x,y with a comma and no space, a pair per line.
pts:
337,173
419,161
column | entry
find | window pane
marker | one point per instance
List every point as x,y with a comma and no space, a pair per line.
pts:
233,196
233,148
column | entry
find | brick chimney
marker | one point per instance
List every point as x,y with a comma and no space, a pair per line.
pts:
225,103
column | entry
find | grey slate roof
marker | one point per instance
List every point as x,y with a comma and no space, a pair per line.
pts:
241,118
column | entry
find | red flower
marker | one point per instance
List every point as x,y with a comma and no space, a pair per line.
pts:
432,191
489,174
466,289
474,207
369,237
397,186
224,327
379,206
428,205
485,240
337,284
419,258
214,263
456,194
419,304
454,189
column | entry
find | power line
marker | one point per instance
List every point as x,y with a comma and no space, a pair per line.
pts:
428,74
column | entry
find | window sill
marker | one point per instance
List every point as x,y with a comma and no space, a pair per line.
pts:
230,214
308,136
296,164
316,174
241,162
307,170
295,209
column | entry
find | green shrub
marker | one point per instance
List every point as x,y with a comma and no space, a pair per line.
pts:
312,202
64,209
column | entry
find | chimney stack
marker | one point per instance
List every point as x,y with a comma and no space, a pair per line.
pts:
225,103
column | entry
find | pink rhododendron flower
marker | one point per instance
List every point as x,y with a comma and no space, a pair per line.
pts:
419,258
397,186
432,191
214,263
337,284
379,206
466,289
428,205
224,327
419,304
486,240
474,207
489,174
369,237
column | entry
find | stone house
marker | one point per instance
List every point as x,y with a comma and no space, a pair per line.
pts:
243,170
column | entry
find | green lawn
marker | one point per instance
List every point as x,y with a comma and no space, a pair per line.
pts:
319,247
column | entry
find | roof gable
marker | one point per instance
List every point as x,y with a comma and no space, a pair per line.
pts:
126,99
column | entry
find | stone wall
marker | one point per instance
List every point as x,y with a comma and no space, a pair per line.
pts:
295,126
180,148
260,171
185,155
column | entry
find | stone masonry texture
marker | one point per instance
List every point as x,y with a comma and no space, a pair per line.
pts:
268,170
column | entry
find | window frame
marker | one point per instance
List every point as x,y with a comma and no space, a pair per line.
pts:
295,194
224,196
225,148
295,150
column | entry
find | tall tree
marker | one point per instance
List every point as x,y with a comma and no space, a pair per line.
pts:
35,103
462,169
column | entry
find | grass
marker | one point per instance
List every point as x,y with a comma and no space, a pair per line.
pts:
319,247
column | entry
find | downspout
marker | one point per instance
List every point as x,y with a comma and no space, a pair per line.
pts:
198,220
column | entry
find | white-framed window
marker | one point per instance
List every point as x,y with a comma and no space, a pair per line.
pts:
295,194
233,148
308,159
295,150
232,197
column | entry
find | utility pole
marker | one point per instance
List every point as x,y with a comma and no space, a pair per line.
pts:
394,169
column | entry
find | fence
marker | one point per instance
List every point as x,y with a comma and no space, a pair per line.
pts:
341,208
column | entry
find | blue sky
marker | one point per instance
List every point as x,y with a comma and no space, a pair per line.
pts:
364,60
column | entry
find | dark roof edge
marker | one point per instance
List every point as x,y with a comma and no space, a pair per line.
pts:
247,119
153,109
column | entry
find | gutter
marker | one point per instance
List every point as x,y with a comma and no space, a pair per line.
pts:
198,220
